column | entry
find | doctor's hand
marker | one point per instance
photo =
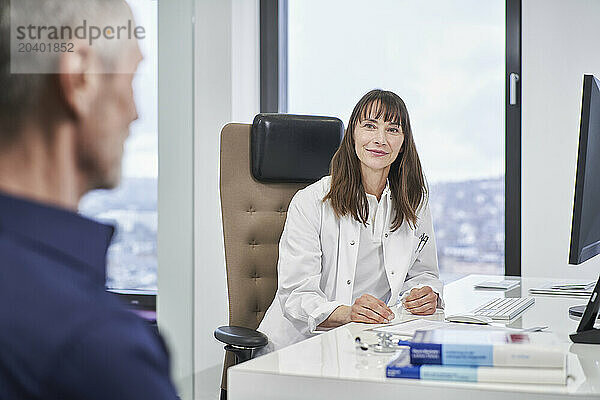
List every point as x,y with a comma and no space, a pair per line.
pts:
371,310
422,301
366,308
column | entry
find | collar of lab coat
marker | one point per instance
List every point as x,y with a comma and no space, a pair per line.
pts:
386,190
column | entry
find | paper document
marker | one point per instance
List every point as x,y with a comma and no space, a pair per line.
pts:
408,328
502,285
565,289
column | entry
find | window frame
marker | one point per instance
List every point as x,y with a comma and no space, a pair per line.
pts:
273,98
512,164
273,55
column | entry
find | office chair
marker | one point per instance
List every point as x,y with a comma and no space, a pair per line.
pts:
262,166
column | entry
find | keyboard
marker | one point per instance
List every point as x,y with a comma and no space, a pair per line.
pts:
504,308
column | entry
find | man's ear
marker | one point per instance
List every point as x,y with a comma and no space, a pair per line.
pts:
78,82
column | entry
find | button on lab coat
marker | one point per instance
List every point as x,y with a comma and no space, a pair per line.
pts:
317,260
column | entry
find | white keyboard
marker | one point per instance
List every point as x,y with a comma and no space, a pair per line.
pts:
504,308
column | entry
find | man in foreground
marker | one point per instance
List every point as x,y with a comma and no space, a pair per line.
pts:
61,135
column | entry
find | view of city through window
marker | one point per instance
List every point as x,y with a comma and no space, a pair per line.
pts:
450,72
132,257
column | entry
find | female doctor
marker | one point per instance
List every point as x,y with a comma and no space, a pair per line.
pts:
357,241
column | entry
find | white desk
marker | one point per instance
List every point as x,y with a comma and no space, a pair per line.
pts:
329,366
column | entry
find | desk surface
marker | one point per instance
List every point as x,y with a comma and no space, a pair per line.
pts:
329,365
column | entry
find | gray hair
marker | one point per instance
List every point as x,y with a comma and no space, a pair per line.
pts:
22,93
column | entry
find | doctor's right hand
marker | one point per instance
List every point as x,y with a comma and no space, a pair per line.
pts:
371,310
366,308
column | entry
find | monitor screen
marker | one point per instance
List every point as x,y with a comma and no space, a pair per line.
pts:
585,229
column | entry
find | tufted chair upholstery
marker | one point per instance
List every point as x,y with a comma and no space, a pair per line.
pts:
253,218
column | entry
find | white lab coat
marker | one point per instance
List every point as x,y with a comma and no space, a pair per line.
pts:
317,260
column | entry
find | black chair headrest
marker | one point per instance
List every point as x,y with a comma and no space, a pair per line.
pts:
293,148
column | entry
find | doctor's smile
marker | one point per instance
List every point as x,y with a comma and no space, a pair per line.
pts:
377,153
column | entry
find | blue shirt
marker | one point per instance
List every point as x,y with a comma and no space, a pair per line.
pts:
62,336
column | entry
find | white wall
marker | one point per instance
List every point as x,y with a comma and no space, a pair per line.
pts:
226,89
175,188
245,59
560,44
212,111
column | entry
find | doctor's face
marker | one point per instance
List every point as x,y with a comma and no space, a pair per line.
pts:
377,143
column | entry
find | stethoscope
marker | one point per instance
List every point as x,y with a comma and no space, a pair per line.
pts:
386,343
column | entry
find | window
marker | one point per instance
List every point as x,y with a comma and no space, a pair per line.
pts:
447,60
132,257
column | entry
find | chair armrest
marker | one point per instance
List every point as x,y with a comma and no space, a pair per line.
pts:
241,337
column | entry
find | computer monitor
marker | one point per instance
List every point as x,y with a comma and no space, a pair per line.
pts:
585,229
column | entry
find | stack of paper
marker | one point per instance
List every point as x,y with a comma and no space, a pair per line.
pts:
567,289
505,284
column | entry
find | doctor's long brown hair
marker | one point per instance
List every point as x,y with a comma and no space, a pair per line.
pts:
406,180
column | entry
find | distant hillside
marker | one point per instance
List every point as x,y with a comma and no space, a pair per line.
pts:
469,225
132,258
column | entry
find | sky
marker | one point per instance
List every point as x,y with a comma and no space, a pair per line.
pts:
445,59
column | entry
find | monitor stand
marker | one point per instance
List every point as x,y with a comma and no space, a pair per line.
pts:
586,333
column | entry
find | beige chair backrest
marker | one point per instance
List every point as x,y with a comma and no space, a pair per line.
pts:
253,217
